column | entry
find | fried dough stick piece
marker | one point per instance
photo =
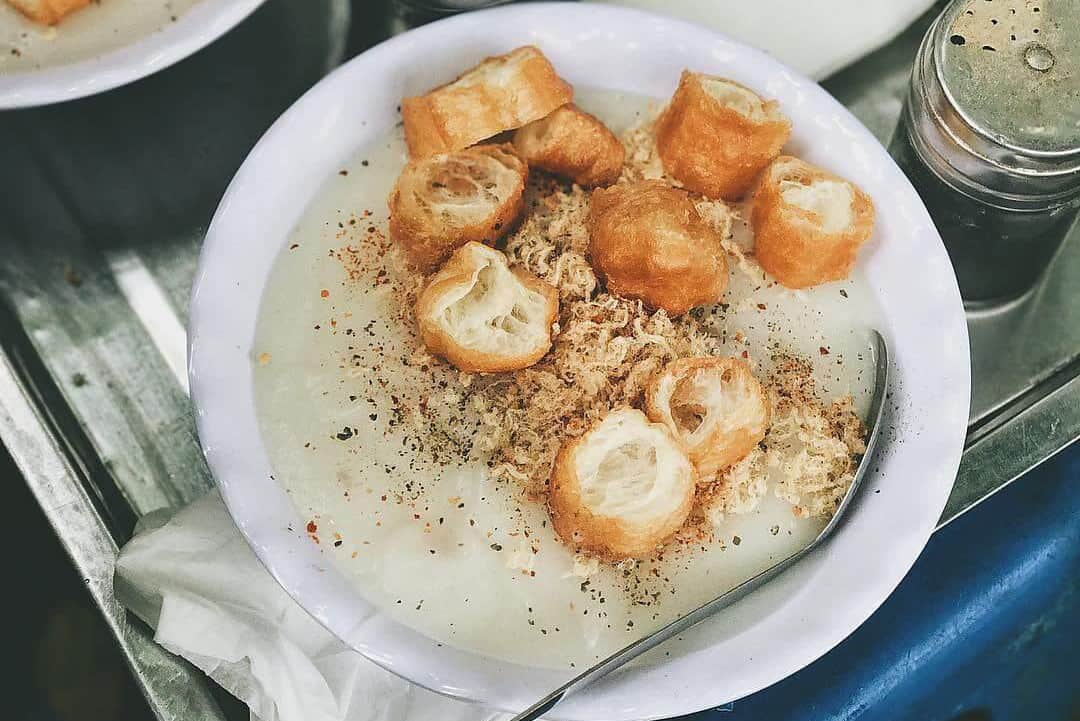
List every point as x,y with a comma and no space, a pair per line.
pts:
808,223
485,317
48,12
713,406
572,144
442,202
650,243
716,135
622,489
502,93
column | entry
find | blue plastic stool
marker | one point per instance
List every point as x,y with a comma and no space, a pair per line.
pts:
986,626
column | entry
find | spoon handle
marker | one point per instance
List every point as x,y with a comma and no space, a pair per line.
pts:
635,649
654,639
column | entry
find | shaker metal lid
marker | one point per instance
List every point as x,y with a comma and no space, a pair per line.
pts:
996,108
1008,73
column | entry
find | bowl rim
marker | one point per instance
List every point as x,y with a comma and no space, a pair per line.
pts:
297,564
196,28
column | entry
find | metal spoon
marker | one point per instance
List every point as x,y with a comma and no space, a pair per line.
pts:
699,614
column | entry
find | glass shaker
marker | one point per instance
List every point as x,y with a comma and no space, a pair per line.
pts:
990,137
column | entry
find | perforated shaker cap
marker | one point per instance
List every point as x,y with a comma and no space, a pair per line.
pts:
1007,77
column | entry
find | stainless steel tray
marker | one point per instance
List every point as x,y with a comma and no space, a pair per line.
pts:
103,205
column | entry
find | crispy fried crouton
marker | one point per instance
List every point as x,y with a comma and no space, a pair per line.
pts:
621,489
650,243
713,406
808,223
48,12
716,135
442,202
572,144
502,93
485,317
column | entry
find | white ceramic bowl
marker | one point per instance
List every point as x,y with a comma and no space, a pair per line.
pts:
203,23
770,635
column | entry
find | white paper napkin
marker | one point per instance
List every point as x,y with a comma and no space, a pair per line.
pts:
195,580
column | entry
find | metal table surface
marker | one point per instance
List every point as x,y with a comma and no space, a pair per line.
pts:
103,206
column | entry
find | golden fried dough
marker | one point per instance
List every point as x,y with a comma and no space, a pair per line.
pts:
622,488
808,223
48,12
716,135
713,406
573,144
442,202
649,242
485,317
502,93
